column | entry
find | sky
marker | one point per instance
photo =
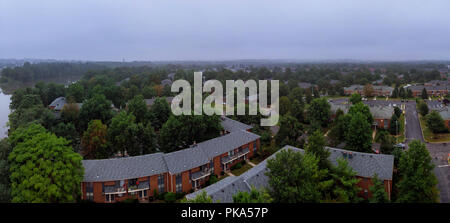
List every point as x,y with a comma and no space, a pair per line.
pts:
150,30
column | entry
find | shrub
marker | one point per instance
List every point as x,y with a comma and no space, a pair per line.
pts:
179,195
130,201
238,166
170,197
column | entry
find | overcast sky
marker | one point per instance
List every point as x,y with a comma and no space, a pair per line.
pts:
223,30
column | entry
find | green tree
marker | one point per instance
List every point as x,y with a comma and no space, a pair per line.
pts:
285,105
435,122
316,146
320,111
378,191
138,108
122,133
359,134
200,198
424,94
294,177
160,112
345,188
76,92
394,126
355,98
44,169
417,184
290,130
395,93
363,109
423,108
255,196
97,107
5,184
297,110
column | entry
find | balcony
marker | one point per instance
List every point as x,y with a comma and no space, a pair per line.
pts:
139,187
114,190
237,155
201,174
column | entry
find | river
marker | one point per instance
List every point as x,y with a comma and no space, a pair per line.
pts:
5,99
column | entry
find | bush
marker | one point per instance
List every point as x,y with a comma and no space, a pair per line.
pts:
130,201
179,195
238,166
212,180
170,197
161,196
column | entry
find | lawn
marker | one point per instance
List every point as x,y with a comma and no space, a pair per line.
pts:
401,137
256,160
241,170
431,137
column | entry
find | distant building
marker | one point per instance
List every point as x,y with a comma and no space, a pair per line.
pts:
377,90
432,90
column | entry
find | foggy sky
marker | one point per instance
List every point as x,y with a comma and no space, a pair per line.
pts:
224,30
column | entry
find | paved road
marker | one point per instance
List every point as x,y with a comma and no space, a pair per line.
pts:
412,127
439,152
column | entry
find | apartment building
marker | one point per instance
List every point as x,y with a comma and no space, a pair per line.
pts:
112,180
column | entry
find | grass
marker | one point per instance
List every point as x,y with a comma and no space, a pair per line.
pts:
430,136
401,137
241,170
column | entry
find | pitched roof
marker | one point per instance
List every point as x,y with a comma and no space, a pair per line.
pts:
123,168
231,125
381,112
185,159
226,143
151,101
58,103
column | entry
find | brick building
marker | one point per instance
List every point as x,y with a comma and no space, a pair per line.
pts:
112,180
377,90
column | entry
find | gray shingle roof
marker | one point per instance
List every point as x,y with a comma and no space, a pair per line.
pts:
151,101
381,112
123,168
231,125
226,143
58,103
428,88
185,159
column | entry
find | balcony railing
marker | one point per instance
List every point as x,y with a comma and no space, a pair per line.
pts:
237,155
201,174
114,190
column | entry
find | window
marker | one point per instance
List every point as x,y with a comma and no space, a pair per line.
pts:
161,183
178,181
254,146
143,194
110,197
89,191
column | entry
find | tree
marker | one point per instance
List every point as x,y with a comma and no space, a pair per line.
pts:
255,196
67,131
297,110
359,134
397,111
44,169
122,133
70,113
200,198
394,125
94,142
296,94
290,131
345,184
320,111
5,184
355,98
160,112
138,108
97,107
363,109
402,93
182,131
76,92
424,94
417,184
285,105
435,122
368,90
423,108
378,192
409,93
386,141
294,177
316,146
395,92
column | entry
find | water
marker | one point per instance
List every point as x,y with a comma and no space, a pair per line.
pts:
5,99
